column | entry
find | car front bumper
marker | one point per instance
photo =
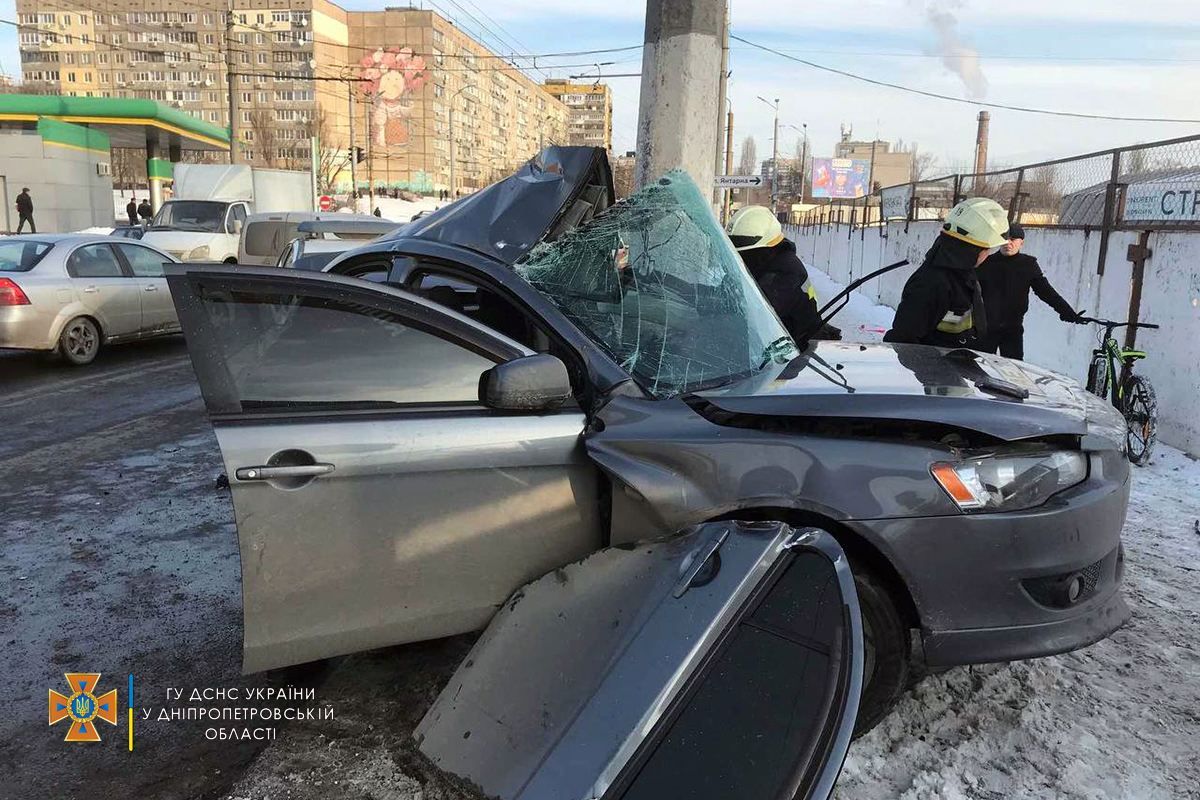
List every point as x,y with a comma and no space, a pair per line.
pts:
998,587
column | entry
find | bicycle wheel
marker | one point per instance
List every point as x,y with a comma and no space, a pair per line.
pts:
1097,378
1140,409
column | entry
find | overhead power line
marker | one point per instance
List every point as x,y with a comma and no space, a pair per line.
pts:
951,98
996,56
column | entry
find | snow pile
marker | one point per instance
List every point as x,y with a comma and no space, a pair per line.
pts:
400,210
861,320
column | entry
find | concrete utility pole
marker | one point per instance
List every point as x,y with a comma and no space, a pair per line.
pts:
804,162
728,162
774,157
681,69
353,152
722,93
229,84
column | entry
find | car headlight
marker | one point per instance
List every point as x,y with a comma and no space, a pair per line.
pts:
1010,482
198,253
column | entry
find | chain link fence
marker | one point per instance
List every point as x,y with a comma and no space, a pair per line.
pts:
1152,185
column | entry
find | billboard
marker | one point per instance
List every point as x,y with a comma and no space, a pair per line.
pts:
841,177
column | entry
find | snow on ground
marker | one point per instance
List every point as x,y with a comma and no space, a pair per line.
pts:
1120,719
400,210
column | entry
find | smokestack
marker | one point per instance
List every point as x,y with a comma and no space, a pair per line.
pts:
981,142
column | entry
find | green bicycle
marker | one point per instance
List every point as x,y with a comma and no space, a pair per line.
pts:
1130,394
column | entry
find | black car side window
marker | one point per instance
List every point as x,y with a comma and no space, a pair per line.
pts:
94,261
482,305
296,352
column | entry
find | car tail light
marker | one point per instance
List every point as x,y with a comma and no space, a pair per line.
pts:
11,294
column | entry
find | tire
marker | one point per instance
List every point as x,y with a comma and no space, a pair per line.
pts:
887,651
79,342
1140,409
1097,378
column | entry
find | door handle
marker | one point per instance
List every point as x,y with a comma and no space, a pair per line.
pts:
150,288
90,290
266,472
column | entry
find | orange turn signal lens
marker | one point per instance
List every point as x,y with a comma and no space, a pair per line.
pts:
949,480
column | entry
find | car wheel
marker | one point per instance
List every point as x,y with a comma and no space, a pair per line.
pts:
886,651
79,341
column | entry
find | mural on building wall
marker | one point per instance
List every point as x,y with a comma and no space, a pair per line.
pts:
391,77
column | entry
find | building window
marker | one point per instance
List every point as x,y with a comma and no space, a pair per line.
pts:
210,38
247,97
246,117
260,19
262,58
260,39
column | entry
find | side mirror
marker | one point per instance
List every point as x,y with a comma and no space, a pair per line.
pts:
237,226
531,383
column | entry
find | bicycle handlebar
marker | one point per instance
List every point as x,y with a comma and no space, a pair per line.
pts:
1110,324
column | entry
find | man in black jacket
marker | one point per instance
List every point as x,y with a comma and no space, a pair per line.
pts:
145,212
131,210
772,261
25,211
1006,278
942,303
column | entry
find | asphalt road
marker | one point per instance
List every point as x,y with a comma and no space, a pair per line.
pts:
118,555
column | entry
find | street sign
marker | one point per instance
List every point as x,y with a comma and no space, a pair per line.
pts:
737,181
325,203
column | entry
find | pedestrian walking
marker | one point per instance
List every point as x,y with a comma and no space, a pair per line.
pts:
25,211
1006,278
132,211
145,211
771,260
942,303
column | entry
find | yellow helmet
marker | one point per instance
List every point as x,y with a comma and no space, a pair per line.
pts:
978,221
754,226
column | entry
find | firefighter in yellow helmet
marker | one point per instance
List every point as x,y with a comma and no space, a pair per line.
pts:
942,303
774,265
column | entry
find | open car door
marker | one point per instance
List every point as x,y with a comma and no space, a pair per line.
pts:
723,663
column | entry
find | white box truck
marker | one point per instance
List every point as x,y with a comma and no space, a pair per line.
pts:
203,219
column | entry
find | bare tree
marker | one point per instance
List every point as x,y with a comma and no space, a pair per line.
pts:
923,162
748,160
333,156
266,137
128,168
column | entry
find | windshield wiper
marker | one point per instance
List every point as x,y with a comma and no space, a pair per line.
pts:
776,349
844,297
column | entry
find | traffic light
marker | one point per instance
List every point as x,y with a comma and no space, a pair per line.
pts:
359,155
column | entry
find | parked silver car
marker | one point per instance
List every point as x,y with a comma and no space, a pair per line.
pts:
75,293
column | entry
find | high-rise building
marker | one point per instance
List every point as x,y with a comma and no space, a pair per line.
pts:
591,111
294,66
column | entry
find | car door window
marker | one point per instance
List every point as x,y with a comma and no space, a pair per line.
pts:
144,262
295,352
481,304
94,261
236,214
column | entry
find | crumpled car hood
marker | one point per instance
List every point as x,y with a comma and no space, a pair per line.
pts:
965,389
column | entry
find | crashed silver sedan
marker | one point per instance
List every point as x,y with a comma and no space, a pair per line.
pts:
535,381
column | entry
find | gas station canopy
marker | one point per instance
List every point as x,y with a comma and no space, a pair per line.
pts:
129,123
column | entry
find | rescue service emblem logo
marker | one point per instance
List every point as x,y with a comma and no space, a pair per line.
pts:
83,707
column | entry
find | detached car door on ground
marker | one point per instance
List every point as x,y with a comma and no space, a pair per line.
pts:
378,501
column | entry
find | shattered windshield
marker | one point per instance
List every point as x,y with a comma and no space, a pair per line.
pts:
657,284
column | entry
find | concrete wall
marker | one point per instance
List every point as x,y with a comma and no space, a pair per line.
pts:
1170,298
68,194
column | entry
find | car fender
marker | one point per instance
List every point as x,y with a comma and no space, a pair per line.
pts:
69,312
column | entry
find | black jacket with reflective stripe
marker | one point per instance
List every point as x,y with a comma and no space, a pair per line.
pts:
943,285
783,279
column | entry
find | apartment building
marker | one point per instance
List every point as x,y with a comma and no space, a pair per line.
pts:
294,65
590,105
